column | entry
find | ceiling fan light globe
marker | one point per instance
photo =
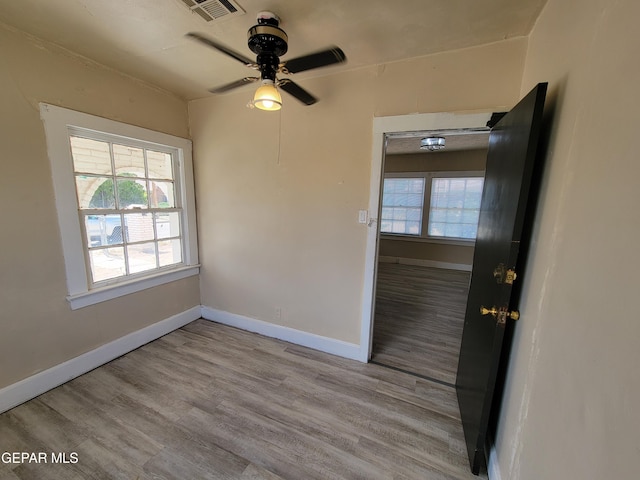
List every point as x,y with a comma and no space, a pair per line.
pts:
267,98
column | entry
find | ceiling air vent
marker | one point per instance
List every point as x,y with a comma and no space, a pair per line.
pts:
212,10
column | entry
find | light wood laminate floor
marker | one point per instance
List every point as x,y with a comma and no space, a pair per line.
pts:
419,316
209,401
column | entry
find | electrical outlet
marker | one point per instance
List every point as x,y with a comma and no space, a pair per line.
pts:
278,314
362,216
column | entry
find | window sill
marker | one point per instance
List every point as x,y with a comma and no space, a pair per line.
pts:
102,294
442,241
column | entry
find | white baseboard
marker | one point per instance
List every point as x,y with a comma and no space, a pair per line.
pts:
317,342
44,381
493,469
426,263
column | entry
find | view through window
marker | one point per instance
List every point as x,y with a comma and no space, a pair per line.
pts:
127,206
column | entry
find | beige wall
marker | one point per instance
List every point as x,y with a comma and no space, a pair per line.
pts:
279,193
38,329
465,160
571,403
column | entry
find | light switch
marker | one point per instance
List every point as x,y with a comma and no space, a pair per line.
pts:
362,216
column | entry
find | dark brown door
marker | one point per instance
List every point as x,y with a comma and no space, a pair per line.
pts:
512,150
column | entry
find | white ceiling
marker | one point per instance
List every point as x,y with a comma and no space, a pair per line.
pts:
145,38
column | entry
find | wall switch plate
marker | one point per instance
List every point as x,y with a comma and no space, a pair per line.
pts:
362,216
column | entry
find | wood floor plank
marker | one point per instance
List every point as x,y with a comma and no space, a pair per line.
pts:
419,315
210,401
255,472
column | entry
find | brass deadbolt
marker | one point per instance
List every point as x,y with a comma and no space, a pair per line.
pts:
500,314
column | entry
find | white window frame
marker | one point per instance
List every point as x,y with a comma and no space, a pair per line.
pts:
426,206
58,124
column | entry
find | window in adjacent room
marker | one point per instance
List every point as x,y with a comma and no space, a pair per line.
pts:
432,205
402,201
125,205
454,207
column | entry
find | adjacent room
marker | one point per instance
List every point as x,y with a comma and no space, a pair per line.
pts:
212,267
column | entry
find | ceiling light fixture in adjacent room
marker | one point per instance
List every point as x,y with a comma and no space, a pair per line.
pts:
432,144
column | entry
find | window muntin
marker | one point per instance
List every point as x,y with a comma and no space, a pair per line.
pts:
127,205
432,205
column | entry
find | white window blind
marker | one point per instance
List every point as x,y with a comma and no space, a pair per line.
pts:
402,203
432,205
454,207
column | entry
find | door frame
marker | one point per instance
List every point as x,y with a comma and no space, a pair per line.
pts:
383,126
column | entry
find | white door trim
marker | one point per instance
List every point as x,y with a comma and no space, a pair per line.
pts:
381,127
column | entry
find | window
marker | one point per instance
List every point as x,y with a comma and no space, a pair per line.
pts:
402,200
125,203
447,203
454,208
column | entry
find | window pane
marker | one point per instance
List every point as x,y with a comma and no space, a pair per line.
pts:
398,227
161,195
103,230
388,186
414,199
139,227
167,224
413,228
416,185
455,207
469,230
438,215
387,213
393,199
436,229
414,214
128,161
470,215
453,230
90,156
95,192
160,165
132,193
170,252
401,185
399,213
141,257
107,263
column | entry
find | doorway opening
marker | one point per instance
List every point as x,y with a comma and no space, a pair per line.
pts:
416,284
430,207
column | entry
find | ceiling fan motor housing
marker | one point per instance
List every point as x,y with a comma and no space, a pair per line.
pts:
266,36
269,43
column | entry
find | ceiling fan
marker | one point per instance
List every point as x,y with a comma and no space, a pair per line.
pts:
269,43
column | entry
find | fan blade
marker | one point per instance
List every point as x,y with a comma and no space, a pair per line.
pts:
297,91
232,85
222,48
314,60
